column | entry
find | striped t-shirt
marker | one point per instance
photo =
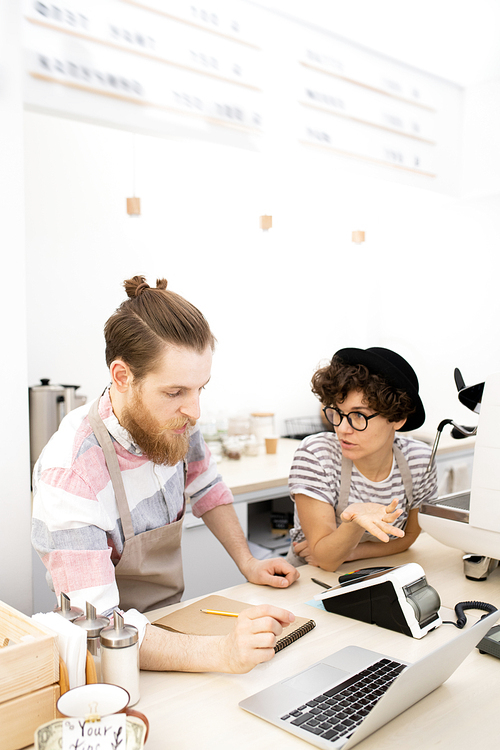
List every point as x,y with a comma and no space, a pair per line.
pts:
316,469
76,527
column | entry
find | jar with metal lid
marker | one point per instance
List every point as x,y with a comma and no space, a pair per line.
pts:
120,656
93,625
66,610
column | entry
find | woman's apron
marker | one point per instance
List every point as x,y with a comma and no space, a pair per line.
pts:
149,572
345,486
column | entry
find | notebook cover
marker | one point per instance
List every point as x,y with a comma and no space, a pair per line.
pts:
192,621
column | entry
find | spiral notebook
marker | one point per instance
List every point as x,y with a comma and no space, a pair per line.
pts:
192,621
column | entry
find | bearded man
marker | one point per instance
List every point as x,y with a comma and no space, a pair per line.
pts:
110,489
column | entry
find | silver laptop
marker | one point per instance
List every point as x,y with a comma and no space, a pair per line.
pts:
343,698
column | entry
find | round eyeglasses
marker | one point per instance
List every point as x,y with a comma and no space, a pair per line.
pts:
356,419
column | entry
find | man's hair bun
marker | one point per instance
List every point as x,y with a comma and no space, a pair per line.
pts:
135,286
138,284
144,323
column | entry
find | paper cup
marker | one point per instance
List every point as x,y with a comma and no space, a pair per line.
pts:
271,444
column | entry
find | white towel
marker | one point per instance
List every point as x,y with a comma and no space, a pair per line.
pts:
72,644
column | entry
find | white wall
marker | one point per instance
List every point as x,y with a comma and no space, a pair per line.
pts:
424,282
279,302
15,548
481,157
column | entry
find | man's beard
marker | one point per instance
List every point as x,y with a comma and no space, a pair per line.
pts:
156,441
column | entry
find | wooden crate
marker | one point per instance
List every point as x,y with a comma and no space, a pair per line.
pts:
29,674
20,717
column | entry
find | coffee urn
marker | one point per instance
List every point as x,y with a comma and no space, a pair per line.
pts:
48,404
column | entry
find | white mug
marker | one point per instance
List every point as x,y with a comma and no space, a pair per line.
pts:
99,698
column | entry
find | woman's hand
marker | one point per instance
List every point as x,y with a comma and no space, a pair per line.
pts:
377,519
303,550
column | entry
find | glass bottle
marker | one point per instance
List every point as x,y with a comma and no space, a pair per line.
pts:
93,625
120,656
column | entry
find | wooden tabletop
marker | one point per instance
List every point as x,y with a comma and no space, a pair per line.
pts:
264,471
193,710
261,472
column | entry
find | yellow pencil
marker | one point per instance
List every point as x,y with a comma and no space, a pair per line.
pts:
216,612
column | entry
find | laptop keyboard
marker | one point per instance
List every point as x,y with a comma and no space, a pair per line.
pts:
340,710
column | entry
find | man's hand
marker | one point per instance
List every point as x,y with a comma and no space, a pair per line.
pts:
223,523
249,643
375,518
273,572
252,640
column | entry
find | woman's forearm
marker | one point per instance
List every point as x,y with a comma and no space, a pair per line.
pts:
381,549
329,544
332,550
343,545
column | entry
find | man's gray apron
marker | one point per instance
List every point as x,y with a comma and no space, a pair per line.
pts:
345,486
149,573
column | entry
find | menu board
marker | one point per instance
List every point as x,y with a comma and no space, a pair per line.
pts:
132,64
234,72
362,104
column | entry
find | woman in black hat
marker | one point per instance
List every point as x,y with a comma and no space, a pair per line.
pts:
357,490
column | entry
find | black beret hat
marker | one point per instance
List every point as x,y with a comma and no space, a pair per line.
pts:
395,370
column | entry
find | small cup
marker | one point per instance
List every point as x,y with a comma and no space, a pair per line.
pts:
99,698
271,444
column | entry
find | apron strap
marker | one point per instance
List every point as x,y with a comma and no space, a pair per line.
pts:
405,474
104,440
345,485
345,479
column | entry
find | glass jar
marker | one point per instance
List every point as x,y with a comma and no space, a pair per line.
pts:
262,425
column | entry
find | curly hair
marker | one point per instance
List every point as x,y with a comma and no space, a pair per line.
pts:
332,385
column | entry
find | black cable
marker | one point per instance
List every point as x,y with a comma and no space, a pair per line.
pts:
459,611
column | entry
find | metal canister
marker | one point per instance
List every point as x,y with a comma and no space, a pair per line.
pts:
44,403
48,404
